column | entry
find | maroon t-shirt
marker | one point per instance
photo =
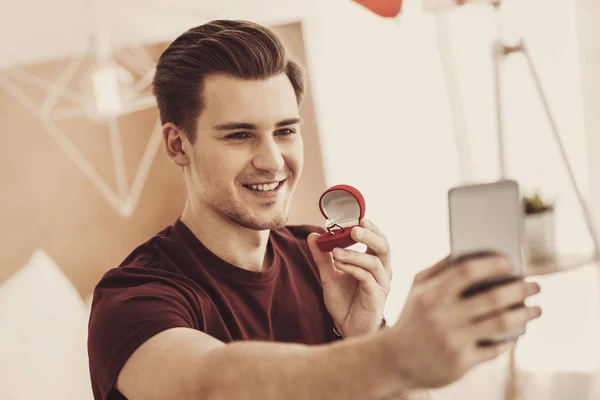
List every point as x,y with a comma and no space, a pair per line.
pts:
173,280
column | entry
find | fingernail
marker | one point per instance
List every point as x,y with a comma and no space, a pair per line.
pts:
535,288
367,224
359,233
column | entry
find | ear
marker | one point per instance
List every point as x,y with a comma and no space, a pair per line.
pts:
175,144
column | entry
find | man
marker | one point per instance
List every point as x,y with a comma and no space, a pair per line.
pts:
229,303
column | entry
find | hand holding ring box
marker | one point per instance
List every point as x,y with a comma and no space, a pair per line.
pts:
344,207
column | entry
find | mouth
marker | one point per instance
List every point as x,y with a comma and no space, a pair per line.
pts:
269,189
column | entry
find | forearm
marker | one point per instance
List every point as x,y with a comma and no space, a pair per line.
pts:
405,395
358,368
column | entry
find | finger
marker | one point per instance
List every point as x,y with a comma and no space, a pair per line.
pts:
365,278
497,299
483,354
378,245
368,224
366,261
324,260
464,257
462,276
506,322
432,271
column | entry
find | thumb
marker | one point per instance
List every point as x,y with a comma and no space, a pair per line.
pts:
436,269
324,260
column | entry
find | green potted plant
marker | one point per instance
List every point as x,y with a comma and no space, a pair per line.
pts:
539,240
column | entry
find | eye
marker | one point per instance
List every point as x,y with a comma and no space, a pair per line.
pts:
285,132
238,136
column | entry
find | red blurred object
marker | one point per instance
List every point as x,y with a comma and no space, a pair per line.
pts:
383,8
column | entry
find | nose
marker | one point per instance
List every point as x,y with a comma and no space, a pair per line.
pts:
268,156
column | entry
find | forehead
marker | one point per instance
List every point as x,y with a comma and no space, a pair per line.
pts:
259,101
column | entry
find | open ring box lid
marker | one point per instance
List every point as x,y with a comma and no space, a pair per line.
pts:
344,206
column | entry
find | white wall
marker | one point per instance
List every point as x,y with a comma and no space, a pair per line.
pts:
385,127
385,122
39,30
588,29
533,158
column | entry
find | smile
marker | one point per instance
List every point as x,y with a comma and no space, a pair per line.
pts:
269,189
264,187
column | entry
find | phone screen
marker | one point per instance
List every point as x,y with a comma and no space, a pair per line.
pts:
487,217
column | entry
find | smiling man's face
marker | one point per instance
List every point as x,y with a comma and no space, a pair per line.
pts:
248,153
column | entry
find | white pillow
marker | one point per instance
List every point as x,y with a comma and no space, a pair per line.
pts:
43,335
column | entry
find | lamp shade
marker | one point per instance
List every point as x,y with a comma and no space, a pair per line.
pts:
383,8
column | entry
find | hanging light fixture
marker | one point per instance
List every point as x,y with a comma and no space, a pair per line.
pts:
111,87
105,88
104,75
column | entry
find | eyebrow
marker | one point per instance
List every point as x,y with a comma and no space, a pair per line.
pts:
229,126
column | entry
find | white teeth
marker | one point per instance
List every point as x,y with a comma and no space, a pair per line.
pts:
265,187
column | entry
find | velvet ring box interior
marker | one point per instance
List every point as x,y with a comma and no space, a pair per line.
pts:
344,207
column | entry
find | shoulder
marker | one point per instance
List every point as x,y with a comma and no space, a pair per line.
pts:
130,291
297,234
158,258
149,253
144,274
296,243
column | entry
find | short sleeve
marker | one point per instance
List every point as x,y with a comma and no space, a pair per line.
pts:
123,317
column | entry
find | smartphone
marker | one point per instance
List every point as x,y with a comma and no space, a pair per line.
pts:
488,218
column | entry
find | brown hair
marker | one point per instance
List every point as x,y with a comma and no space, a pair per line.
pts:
237,48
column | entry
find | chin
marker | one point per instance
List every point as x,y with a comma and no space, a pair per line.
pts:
271,222
262,223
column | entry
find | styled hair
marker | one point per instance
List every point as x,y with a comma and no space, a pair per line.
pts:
240,49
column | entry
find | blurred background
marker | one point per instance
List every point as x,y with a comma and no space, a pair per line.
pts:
401,106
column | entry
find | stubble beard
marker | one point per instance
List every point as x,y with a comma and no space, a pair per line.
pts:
259,218
270,220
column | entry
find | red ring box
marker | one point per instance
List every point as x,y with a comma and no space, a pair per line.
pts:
345,206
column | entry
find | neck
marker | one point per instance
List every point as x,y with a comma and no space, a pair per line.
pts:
243,247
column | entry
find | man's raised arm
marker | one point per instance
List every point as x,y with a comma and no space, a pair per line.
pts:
432,344
182,363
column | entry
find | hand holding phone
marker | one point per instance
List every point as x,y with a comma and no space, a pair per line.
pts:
486,220
442,333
